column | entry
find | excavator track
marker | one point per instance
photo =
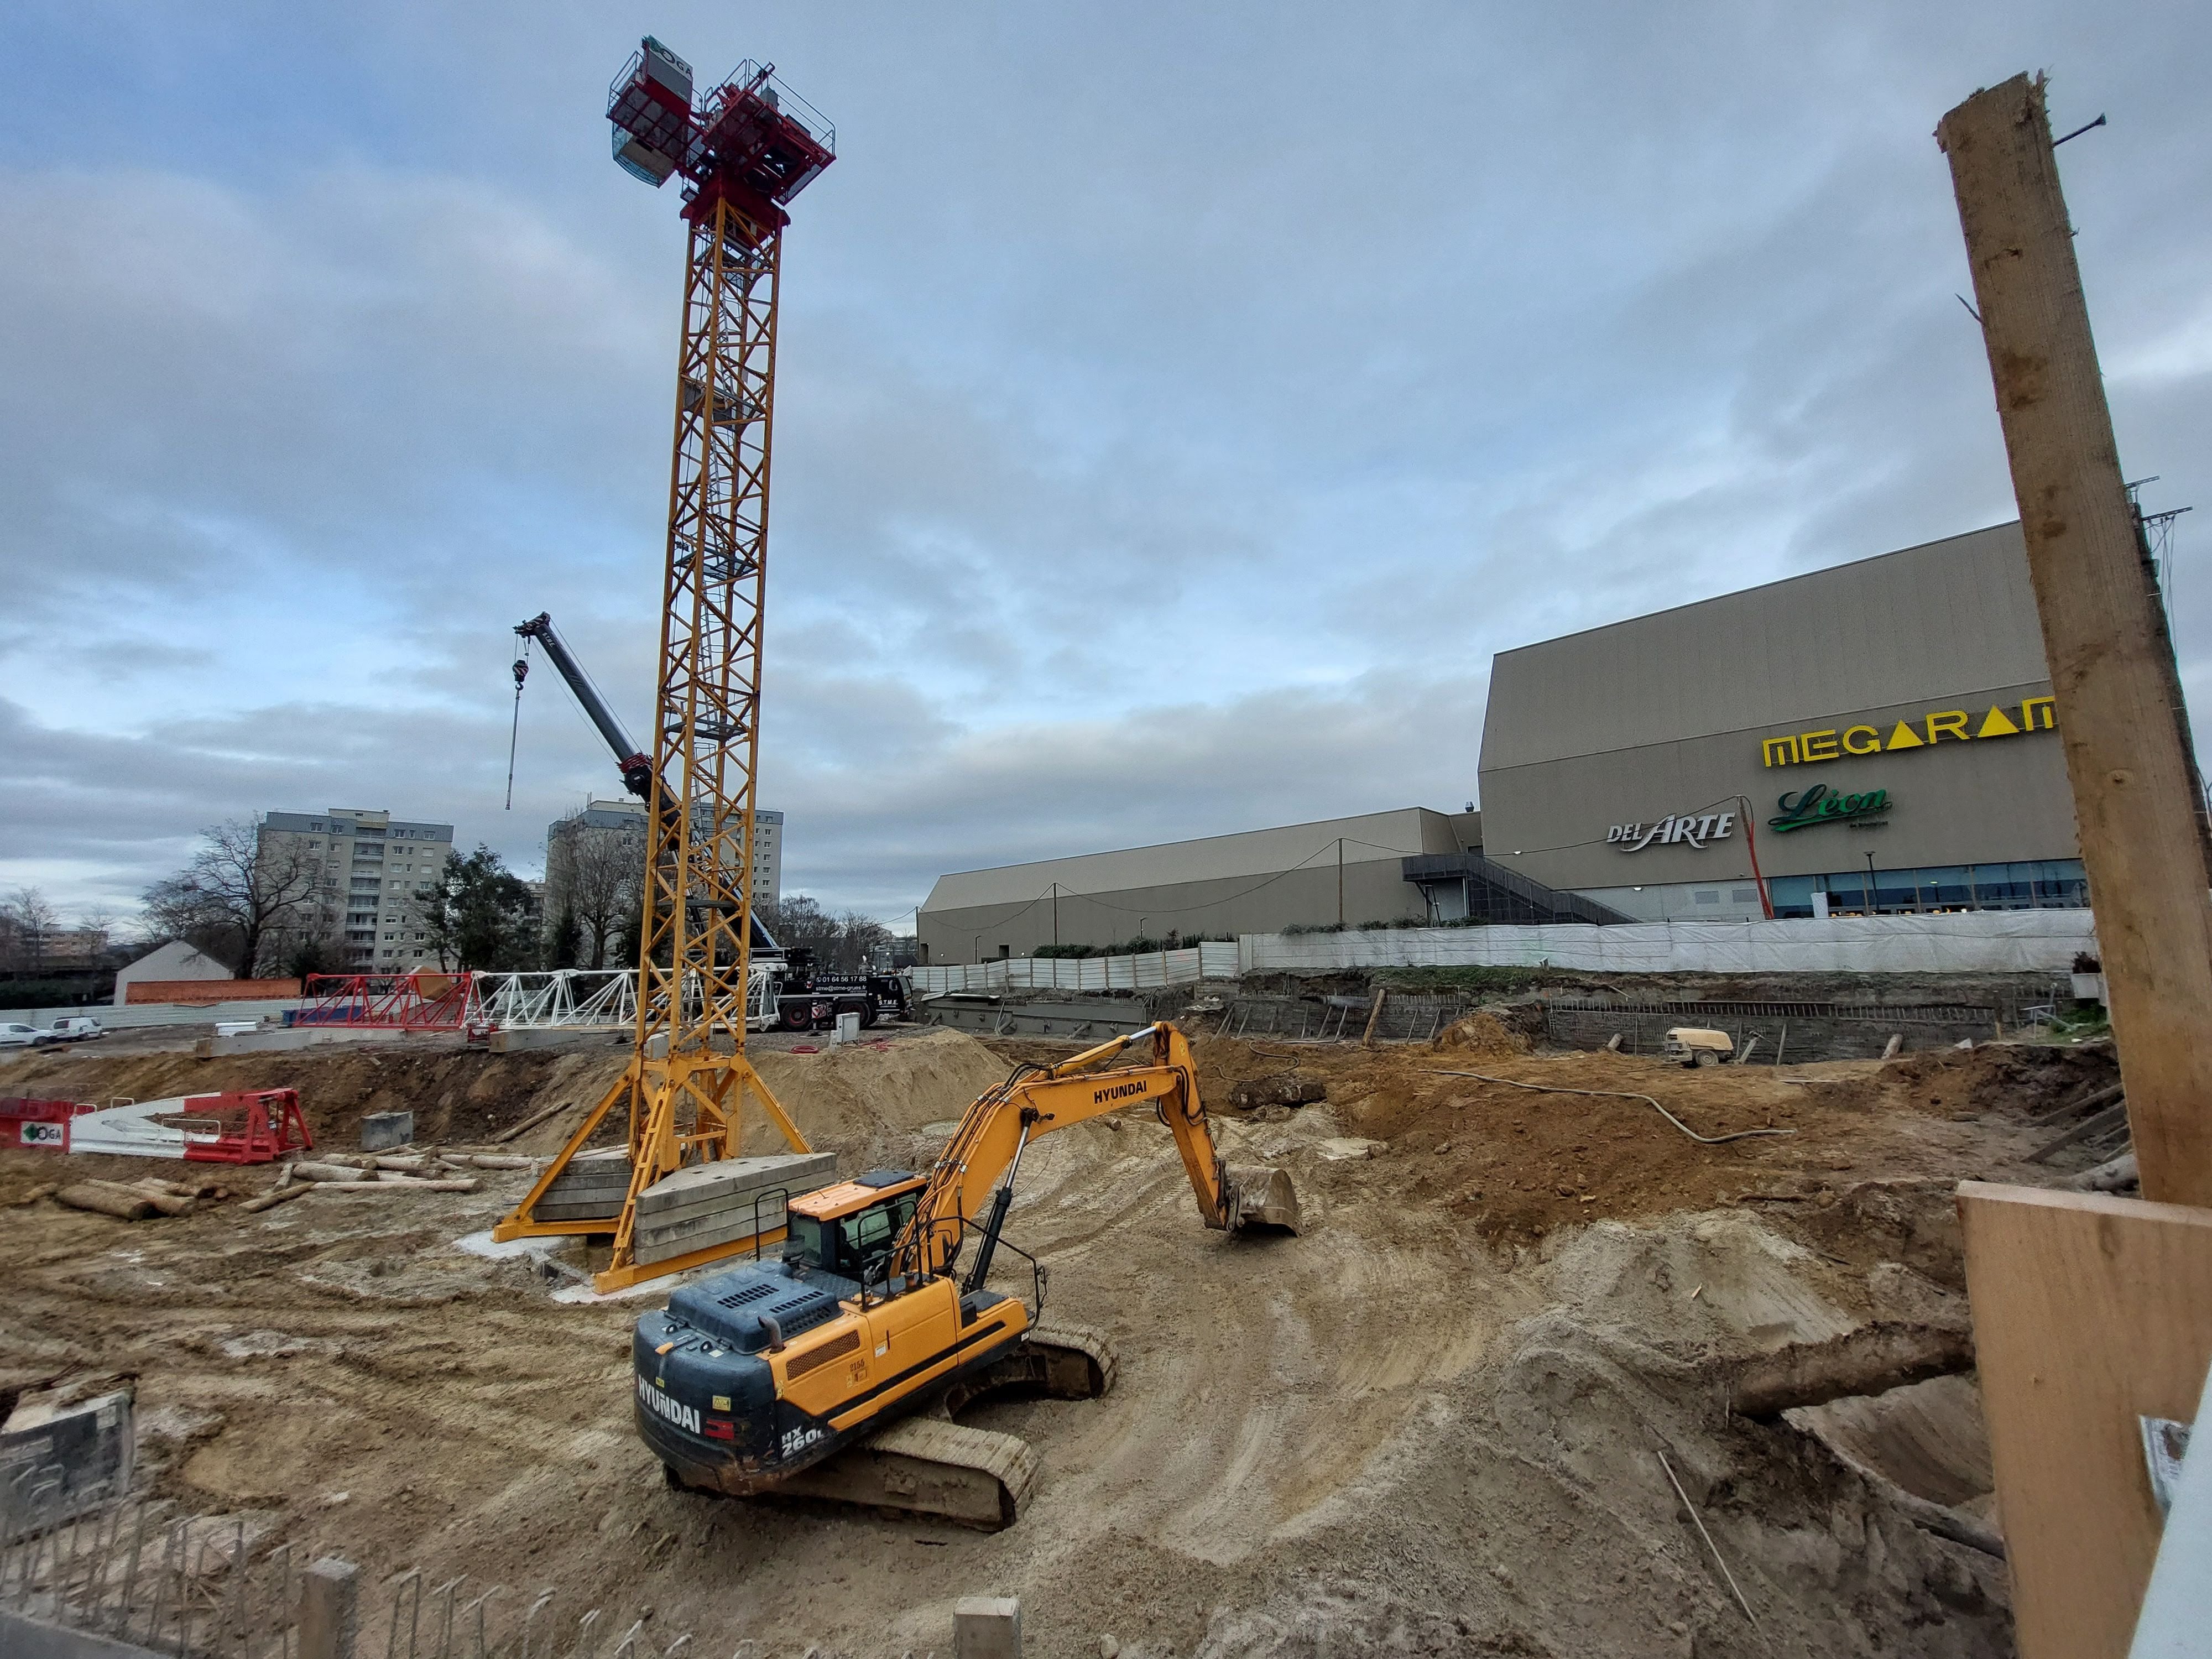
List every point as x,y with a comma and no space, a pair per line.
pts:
977,1477
930,1466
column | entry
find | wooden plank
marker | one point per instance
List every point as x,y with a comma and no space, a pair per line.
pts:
2110,666
2089,1311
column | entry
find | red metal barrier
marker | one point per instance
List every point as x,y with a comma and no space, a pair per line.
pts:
40,1125
421,1001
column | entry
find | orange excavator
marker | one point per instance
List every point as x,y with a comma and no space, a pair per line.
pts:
834,1372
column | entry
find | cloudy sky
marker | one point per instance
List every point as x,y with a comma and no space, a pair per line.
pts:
1178,406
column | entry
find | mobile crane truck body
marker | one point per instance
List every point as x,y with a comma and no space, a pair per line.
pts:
753,1380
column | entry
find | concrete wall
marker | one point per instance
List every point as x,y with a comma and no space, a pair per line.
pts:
1671,713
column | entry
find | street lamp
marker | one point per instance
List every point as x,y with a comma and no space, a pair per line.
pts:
1869,882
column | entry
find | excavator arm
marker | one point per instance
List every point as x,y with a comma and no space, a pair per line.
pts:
973,1178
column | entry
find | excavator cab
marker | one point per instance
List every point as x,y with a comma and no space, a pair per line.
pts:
848,1229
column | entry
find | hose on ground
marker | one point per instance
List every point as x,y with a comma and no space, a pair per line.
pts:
1618,1094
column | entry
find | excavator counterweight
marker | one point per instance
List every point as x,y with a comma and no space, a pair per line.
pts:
808,1373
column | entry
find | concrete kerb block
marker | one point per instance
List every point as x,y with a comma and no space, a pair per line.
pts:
382,1130
329,1609
984,1627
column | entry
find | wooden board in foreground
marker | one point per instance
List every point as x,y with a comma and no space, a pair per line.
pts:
2089,1312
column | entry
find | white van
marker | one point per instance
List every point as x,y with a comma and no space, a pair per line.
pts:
77,1028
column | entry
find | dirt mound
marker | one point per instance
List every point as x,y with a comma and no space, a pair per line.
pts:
865,1097
1480,1033
2008,1080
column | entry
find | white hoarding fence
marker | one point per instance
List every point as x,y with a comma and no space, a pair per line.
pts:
1214,959
1962,942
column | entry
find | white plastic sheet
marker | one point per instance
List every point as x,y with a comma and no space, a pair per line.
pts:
1214,959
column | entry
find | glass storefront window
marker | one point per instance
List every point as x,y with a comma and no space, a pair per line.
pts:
2043,884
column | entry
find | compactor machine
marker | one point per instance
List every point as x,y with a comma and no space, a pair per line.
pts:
834,1370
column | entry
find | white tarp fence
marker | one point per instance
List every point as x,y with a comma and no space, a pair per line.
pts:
1214,959
1967,941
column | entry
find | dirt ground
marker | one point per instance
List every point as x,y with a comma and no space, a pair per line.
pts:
1431,1424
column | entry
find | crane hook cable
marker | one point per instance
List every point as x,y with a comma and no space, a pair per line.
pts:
521,673
1618,1094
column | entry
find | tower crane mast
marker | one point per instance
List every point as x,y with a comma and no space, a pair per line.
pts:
744,149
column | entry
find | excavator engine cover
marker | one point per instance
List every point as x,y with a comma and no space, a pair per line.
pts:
1261,1200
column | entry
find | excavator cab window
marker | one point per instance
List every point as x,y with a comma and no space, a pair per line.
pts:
854,1245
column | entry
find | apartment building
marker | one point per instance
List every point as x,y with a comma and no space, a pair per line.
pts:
372,872
628,815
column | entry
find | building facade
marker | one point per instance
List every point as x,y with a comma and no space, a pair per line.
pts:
595,866
1878,736
371,873
1347,870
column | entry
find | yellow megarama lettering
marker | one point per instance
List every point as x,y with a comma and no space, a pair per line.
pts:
1779,751
1818,745
1998,723
1905,737
2039,712
1871,746
1950,723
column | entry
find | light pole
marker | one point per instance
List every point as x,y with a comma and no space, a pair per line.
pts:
1869,882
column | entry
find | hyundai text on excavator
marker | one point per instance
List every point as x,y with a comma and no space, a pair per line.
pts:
756,1379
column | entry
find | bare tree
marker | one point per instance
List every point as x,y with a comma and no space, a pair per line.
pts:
94,931
237,899
33,929
595,873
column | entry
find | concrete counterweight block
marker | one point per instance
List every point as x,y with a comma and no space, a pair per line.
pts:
723,1202
383,1130
987,1627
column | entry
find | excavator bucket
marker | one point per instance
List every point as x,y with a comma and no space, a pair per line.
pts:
1261,1200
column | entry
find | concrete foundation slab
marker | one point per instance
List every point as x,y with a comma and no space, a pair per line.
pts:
79,1453
299,1036
723,1202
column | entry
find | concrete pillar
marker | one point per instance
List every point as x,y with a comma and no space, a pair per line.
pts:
983,1627
329,1609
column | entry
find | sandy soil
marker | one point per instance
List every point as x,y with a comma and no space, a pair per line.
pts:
1431,1424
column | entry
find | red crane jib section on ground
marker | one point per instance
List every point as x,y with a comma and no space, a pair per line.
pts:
404,1002
748,141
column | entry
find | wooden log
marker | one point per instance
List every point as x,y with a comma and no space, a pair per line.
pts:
2104,1096
532,1121
306,1171
167,1203
493,1160
2138,809
1374,1018
1868,1360
403,1186
44,1190
2112,1117
103,1199
275,1195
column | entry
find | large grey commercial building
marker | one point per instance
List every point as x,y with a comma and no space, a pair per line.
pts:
1880,735
1877,736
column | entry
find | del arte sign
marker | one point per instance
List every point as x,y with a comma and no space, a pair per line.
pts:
1690,829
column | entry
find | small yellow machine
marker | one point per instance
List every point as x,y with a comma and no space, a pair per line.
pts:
1698,1045
749,1380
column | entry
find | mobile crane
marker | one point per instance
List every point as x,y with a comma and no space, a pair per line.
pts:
786,989
755,1379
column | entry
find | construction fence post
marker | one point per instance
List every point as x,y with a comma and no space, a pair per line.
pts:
330,1611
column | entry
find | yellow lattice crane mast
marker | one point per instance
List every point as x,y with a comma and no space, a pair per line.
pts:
745,149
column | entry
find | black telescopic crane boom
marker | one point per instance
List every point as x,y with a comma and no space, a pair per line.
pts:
636,765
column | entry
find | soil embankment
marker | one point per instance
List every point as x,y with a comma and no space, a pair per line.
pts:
1431,1424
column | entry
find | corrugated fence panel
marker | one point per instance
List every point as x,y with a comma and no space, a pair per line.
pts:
1149,971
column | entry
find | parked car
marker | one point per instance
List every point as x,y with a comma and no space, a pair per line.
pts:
14,1035
77,1028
